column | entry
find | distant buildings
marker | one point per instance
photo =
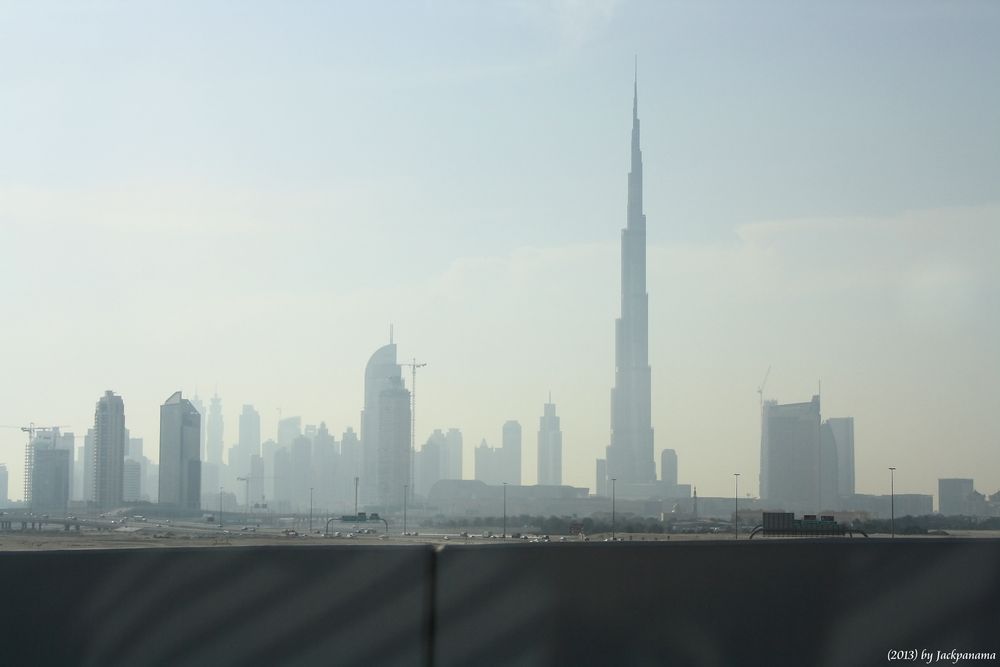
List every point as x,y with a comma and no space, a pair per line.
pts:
510,456
109,450
451,458
549,447
806,464
601,481
956,497
385,431
180,465
132,481
214,432
668,467
488,467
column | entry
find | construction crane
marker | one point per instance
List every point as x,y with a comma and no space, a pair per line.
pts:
414,365
760,389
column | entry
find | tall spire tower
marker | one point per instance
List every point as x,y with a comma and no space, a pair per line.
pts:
630,455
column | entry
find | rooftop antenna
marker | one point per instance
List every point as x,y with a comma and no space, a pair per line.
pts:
390,333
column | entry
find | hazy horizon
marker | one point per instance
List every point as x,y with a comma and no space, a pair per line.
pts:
243,198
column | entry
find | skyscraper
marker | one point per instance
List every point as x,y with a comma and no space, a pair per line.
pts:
549,447
842,430
50,472
180,451
511,456
385,430
488,464
214,432
109,450
451,460
630,454
668,467
790,455
4,488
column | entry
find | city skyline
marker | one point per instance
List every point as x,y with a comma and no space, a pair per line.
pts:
835,227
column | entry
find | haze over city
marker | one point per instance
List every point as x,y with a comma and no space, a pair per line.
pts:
249,199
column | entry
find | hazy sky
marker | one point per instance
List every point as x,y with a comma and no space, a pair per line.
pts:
243,195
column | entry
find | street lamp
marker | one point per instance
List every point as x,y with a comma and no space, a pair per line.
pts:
505,510
406,492
310,510
613,480
892,501
736,497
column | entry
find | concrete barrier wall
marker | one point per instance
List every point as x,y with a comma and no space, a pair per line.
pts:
343,605
797,602
794,602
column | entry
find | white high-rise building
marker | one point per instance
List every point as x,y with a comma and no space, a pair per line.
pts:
451,464
180,451
385,431
549,447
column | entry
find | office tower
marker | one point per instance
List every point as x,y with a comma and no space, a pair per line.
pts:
601,481
451,464
301,452
428,464
325,460
256,487
87,465
288,430
790,455
283,476
50,476
268,449
829,500
214,433
385,431
4,486
132,481
511,456
668,467
203,412
348,467
549,447
842,431
248,444
630,454
488,463
180,452
109,450
955,497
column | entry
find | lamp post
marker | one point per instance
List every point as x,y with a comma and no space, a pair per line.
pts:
505,510
736,497
613,480
406,492
892,501
220,508
355,498
310,510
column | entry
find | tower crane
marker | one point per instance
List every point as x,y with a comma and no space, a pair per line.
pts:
760,388
414,365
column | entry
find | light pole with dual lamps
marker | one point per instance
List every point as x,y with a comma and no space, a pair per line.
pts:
504,511
736,497
892,502
613,480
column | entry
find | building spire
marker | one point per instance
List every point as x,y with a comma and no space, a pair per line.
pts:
635,89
